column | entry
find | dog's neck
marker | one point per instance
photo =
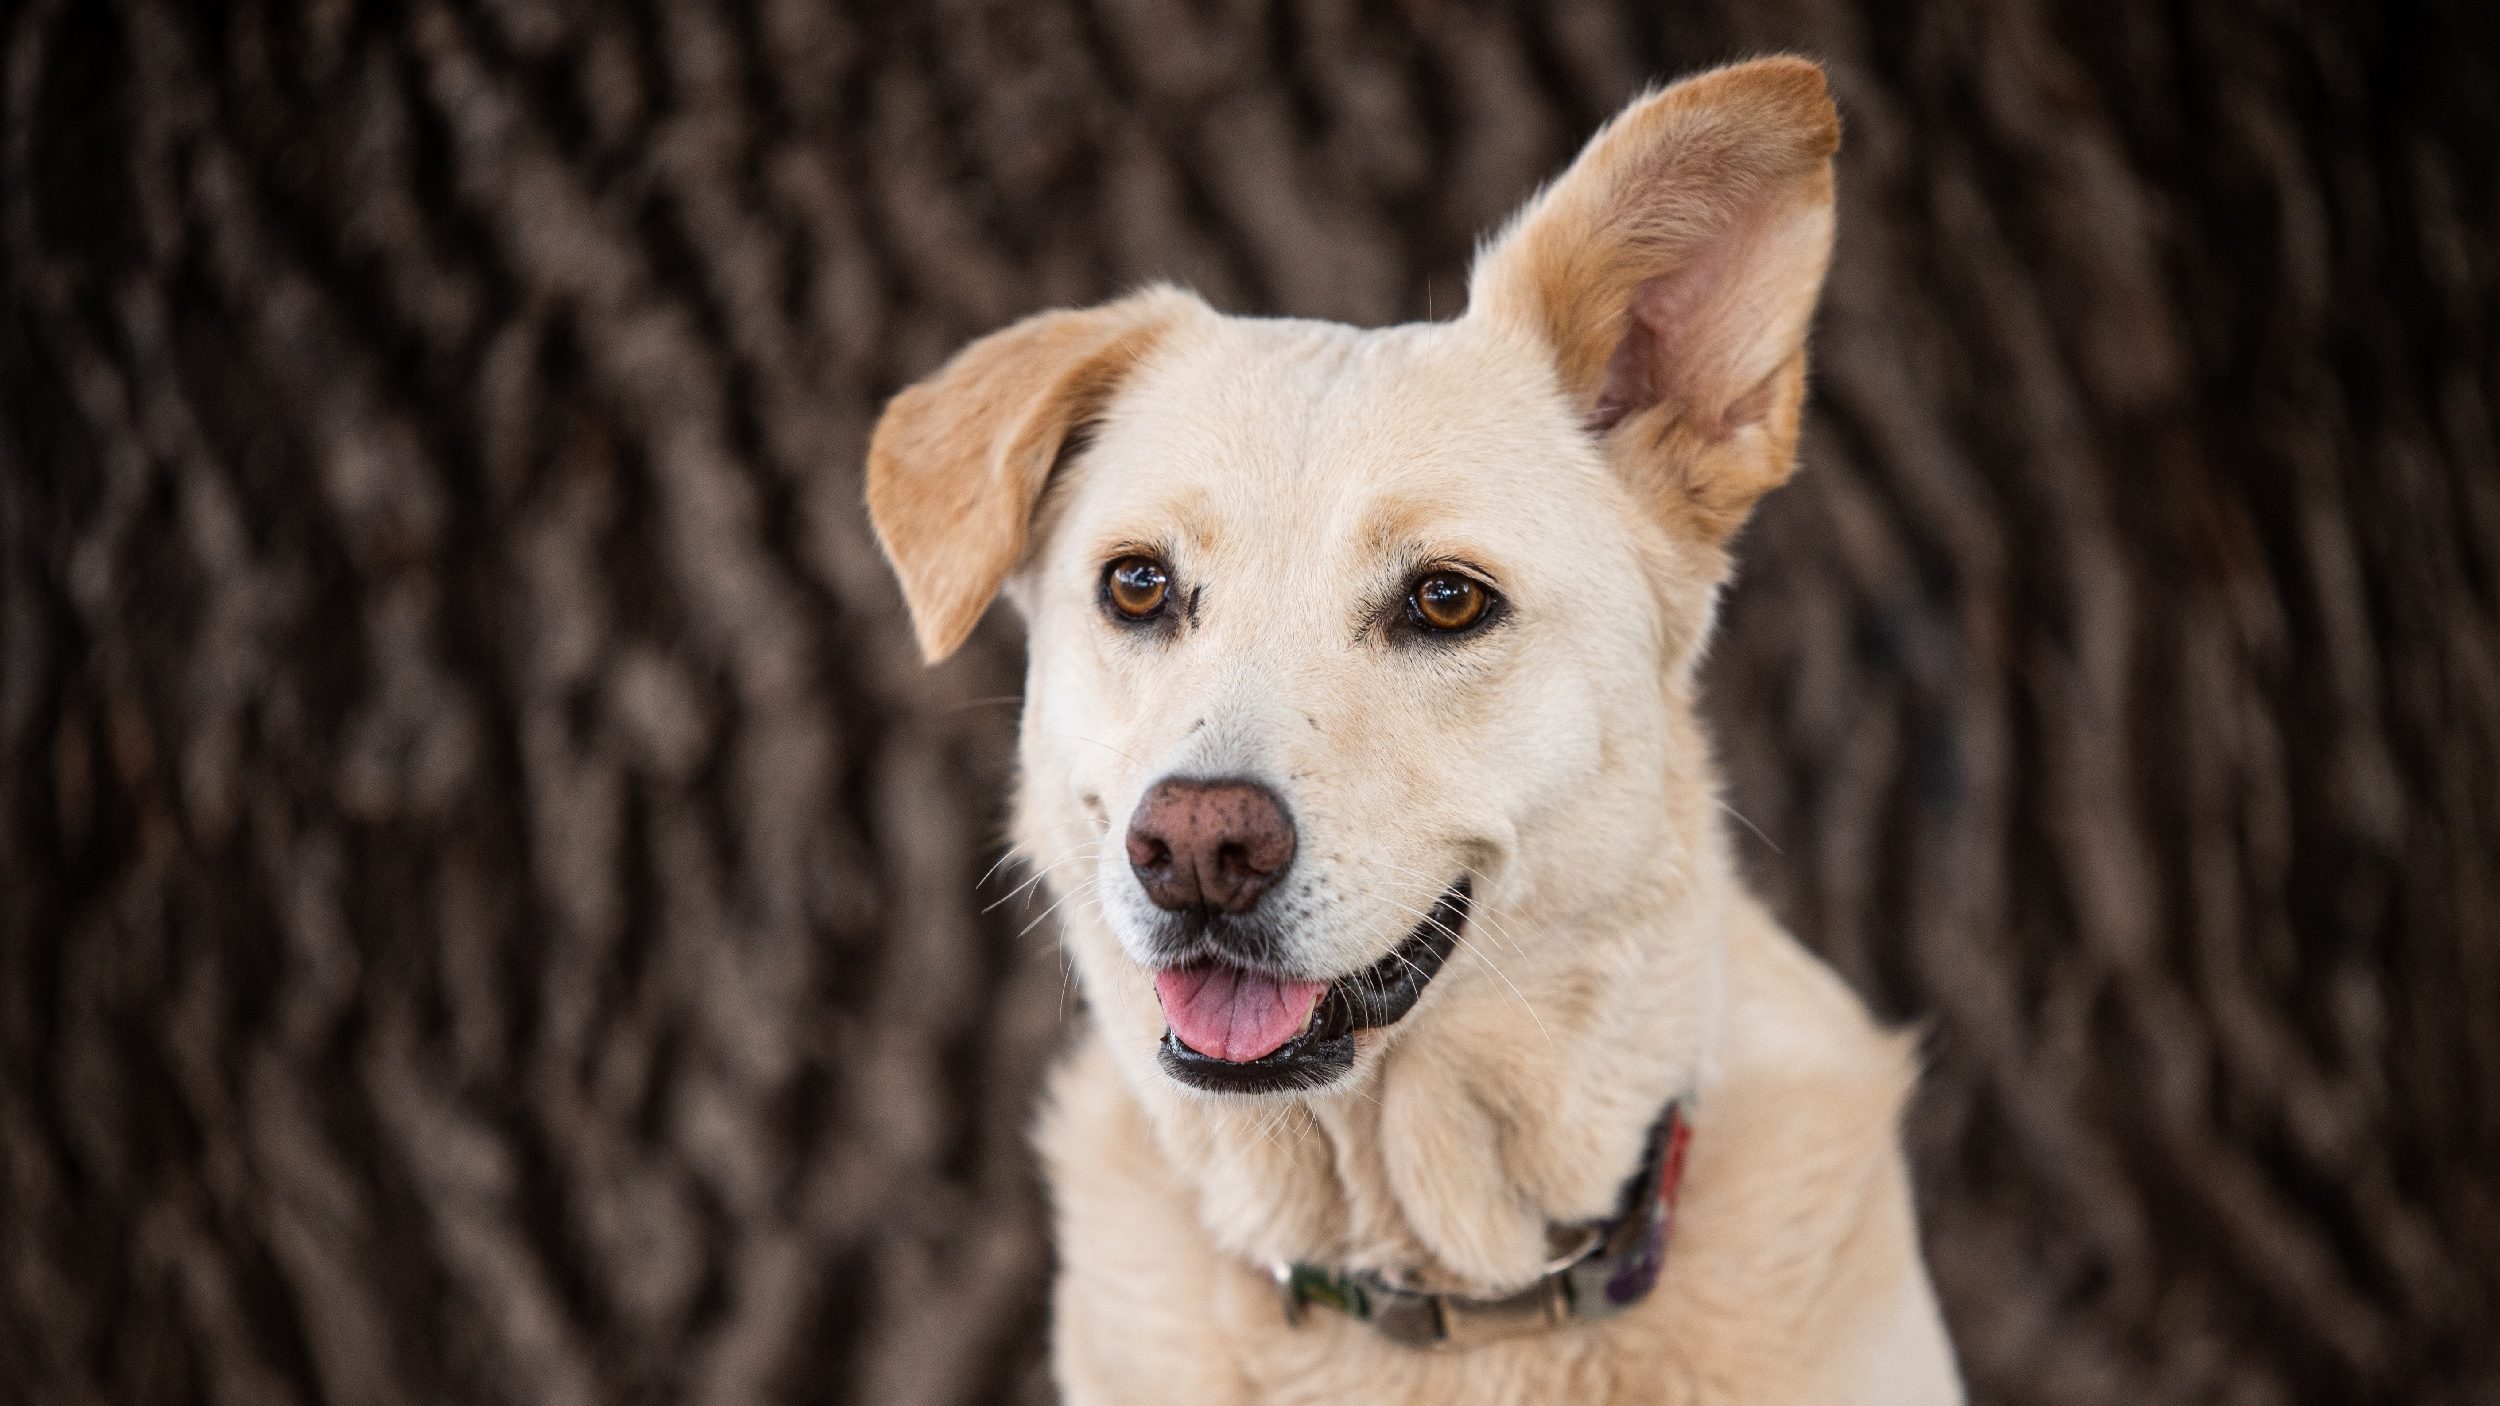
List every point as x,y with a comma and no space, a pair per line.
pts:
1519,1102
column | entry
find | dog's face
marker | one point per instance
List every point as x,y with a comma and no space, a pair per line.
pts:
1325,626
1338,636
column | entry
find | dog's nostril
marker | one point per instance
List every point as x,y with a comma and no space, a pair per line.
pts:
1147,850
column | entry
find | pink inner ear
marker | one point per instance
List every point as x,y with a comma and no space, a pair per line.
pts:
1631,376
1665,357
1703,338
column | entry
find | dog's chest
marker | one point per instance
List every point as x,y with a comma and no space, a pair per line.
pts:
1149,1308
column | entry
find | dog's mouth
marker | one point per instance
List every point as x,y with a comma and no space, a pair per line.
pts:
1234,1029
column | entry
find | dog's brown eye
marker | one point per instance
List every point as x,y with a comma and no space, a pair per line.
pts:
1136,586
1446,600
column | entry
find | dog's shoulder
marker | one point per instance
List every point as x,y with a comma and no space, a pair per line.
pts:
1141,1292
1792,1020
1105,1169
1809,1089
1798,1210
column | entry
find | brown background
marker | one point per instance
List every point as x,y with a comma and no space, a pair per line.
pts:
492,906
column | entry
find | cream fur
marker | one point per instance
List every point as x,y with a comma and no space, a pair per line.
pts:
1295,475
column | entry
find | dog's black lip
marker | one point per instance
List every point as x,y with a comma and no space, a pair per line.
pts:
1379,995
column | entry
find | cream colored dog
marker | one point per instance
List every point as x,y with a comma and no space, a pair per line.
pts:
1359,739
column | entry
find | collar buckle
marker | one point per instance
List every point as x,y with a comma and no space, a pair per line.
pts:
1544,1304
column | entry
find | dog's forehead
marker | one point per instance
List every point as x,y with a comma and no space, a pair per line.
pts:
1257,432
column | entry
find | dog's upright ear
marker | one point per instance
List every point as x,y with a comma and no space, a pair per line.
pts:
1672,271
959,460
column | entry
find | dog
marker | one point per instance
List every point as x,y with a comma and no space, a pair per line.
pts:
1435,1053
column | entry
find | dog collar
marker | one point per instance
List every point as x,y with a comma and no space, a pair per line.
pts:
1613,1266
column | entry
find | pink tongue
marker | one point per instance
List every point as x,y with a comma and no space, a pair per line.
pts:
1234,1015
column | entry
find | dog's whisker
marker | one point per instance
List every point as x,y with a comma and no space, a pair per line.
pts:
1479,905
1748,824
1477,909
1461,939
1310,1125
1010,896
1078,737
1410,962
1076,852
1016,850
1493,911
1524,1002
1268,1127
1045,913
1012,851
1502,929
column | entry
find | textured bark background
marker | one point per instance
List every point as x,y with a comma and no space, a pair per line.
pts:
494,910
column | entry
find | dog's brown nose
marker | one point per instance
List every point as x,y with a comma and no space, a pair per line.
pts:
1210,844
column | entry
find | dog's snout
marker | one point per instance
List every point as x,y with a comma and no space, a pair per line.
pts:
1209,844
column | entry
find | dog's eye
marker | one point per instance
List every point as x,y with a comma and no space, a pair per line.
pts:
1136,587
1448,601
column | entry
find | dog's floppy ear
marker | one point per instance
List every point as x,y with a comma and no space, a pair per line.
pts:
959,460
1672,270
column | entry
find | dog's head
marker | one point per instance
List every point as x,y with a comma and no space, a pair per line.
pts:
1339,636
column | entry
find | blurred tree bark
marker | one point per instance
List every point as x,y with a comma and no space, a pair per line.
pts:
494,910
